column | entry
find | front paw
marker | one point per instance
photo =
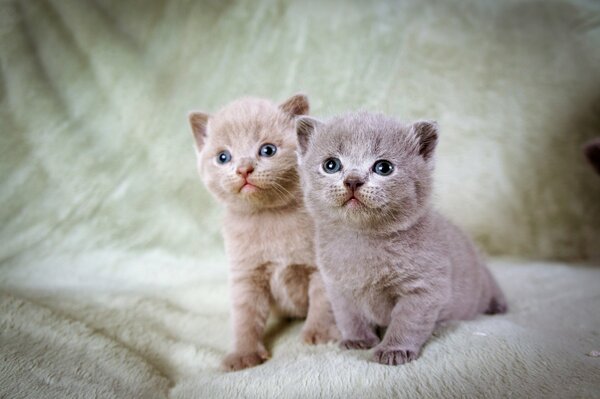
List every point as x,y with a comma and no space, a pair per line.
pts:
395,356
242,360
367,343
320,334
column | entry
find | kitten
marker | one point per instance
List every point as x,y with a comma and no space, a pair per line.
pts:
246,156
387,259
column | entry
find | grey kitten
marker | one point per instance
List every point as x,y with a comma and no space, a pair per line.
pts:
387,258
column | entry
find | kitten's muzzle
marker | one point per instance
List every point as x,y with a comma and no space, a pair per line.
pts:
244,170
353,183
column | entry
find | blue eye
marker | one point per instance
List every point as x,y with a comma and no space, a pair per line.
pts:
332,165
267,150
223,157
383,167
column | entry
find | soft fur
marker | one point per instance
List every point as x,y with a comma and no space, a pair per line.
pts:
388,260
269,237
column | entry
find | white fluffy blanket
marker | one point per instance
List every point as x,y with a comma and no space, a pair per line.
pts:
157,326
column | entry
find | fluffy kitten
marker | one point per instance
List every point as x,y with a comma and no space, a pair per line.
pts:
247,158
387,259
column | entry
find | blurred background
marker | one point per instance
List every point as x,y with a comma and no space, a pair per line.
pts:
112,271
97,153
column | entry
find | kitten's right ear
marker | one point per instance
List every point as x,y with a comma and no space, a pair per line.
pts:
305,127
198,122
427,132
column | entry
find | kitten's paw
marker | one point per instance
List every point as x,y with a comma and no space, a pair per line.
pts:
359,343
239,361
393,357
320,334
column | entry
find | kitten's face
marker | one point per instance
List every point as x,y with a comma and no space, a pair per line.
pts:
247,157
367,170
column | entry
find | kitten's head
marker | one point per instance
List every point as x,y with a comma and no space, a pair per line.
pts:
367,170
246,152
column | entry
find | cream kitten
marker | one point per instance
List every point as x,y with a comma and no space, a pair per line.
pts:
387,259
247,158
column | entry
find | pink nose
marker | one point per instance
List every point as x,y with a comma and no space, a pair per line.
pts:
353,183
244,170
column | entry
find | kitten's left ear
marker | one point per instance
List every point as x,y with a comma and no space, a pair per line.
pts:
198,122
305,128
427,132
295,105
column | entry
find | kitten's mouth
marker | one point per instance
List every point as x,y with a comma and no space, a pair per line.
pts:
248,188
353,203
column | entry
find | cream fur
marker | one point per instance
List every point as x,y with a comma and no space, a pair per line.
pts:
269,237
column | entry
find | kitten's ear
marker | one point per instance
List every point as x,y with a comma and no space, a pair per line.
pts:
295,105
427,132
198,122
305,127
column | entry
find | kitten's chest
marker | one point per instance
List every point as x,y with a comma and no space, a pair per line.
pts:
372,272
356,261
271,238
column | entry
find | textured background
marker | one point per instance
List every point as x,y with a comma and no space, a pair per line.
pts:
96,151
112,274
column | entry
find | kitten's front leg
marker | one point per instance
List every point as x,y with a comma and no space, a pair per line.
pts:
319,326
412,323
250,297
357,332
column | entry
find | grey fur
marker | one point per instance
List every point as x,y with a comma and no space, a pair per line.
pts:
387,258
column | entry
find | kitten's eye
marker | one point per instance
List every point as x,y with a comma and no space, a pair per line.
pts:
383,167
267,150
332,165
223,157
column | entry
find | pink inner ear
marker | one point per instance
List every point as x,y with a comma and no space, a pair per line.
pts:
305,127
296,105
427,132
198,122
428,145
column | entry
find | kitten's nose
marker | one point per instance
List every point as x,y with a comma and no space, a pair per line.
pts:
244,170
353,182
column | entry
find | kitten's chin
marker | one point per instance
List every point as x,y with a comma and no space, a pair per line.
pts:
357,214
365,218
251,198
354,214
248,189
